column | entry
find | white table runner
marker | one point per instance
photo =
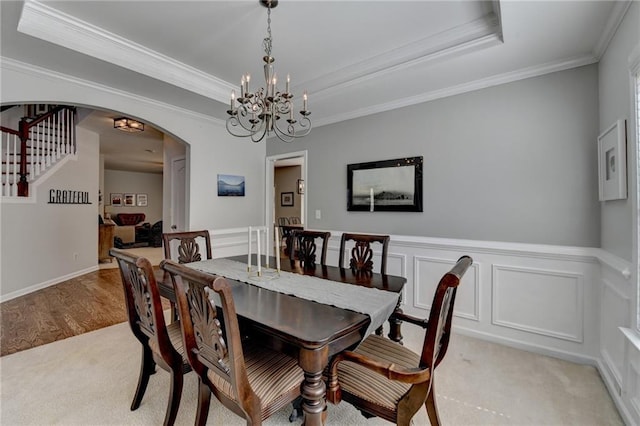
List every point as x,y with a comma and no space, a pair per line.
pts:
378,304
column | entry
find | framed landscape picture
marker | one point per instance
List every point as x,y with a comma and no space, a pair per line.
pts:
385,186
230,186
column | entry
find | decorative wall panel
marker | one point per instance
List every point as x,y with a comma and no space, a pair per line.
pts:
538,301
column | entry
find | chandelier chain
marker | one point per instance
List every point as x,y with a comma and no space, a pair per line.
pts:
267,42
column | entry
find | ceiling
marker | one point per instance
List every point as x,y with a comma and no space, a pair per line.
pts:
354,58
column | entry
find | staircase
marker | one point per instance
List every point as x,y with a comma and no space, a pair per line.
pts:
42,139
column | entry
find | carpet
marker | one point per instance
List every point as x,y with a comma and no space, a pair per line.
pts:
90,380
154,254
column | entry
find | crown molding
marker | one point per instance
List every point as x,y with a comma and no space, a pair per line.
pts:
613,22
11,64
474,36
44,22
483,83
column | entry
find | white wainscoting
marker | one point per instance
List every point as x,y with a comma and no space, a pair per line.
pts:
572,303
540,298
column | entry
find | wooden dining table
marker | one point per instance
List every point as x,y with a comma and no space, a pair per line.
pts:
310,331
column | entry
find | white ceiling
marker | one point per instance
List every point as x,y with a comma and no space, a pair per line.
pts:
355,58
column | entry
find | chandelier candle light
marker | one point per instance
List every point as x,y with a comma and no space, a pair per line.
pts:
257,114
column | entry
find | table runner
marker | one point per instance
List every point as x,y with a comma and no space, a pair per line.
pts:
377,304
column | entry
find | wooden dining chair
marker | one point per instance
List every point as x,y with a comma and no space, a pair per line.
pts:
307,247
161,343
190,247
361,255
251,380
385,379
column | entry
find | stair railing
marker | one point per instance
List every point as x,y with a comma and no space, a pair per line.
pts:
42,142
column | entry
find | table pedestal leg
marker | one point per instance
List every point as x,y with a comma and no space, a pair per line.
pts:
314,390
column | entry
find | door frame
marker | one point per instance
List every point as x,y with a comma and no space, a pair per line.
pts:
269,189
174,197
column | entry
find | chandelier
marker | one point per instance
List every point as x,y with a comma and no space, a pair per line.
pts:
267,110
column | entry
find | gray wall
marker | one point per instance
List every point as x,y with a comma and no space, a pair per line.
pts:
615,103
515,162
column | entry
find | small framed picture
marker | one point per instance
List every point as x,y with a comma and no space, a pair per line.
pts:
142,200
612,162
116,199
300,186
130,200
286,199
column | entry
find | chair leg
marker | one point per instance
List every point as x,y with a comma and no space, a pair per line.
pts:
147,368
204,397
432,408
175,392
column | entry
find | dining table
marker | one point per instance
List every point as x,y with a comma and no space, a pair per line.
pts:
321,313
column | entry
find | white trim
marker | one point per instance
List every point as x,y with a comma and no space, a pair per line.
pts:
46,23
483,83
269,195
54,76
616,16
46,284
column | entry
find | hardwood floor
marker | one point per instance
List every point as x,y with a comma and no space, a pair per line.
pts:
73,307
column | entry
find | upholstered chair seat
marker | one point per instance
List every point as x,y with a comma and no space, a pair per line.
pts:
262,364
367,385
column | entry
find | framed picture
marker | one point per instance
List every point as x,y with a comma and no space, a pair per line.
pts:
116,199
385,186
286,199
130,200
300,186
612,162
142,200
230,186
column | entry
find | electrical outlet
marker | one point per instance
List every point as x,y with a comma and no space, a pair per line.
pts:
318,214
75,256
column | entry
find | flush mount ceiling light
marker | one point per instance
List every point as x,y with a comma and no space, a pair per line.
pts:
258,113
128,124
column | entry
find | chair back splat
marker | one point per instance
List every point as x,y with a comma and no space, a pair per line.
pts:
190,246
251,380
307,252
384,379
361,255
161,343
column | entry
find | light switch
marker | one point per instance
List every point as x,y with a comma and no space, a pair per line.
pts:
318,214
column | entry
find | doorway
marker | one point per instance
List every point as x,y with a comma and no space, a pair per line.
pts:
286,187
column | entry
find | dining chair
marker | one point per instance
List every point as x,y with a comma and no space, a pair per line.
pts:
251,380
307,247
361,255
385,379
189,247
161,343
288,233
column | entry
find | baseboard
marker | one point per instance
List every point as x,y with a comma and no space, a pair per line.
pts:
614,392
46,284
526,346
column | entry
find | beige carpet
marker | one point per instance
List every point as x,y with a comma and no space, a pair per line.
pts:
154,254
90,380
